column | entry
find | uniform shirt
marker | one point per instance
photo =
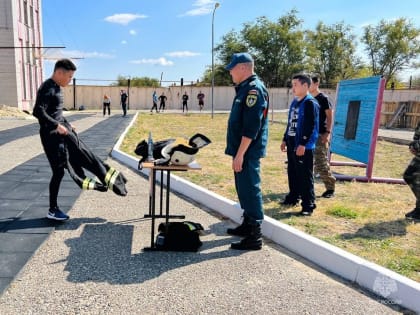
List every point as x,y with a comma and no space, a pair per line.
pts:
49,105
248,118
123,98
162,99
185,97
155,98
324,104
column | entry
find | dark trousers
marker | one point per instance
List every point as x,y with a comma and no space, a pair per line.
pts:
124,108
154,107
184,106
300,173
107,106
54,149
162,106
248,188
412,178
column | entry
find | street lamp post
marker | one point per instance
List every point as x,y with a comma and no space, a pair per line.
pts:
216,5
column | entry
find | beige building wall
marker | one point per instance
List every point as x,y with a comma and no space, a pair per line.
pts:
141,98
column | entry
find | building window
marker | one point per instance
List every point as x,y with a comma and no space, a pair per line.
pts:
31,14
25,12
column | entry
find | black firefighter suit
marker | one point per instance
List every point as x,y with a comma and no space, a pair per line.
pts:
77,156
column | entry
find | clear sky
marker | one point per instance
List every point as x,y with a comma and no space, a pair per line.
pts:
172,38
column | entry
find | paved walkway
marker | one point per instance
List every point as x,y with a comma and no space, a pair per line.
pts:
94,263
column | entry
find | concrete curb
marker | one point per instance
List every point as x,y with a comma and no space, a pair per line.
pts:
391,286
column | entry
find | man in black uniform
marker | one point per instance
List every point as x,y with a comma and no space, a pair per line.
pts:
185,102
162,100
49,111
124,97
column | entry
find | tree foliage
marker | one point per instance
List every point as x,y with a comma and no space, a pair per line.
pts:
391,46
277,47
221,76
331,52
137,82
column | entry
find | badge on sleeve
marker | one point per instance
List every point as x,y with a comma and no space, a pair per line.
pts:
251,99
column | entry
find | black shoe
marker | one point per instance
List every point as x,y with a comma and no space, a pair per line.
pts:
413,215
248,243
251,242
306,213
289,202
328,193
242,230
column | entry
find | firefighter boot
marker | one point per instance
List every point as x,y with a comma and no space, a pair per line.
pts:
253,241
242,230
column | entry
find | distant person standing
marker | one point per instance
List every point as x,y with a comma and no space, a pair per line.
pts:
162,99
124,97
154,100
185,102
107,105
49,111
200,97
321,164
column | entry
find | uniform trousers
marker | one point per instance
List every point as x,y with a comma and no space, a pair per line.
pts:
54,148
248,188
322,166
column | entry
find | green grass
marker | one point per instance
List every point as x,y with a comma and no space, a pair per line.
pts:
342,212
366,219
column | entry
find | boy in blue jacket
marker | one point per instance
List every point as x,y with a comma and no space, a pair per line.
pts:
299,142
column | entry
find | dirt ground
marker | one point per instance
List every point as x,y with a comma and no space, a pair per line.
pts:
8,111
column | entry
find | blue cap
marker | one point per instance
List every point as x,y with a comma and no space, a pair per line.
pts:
239,58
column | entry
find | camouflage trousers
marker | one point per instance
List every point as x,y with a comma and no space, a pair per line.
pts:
412,178
322,166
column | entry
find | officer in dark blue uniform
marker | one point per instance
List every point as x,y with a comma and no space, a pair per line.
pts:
247,136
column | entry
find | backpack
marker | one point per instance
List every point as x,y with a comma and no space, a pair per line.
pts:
179,236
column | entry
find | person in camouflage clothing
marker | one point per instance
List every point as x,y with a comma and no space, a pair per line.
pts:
321,163
412,174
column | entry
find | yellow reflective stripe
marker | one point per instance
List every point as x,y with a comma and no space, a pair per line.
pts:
85,184
88,184
109,175
113,178
190,226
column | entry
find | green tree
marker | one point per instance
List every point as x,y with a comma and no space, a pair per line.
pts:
331,52
277,47
391,46
221,76
137,82
231,43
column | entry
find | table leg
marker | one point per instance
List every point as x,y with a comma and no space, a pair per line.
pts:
153,205
168,189
161,192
